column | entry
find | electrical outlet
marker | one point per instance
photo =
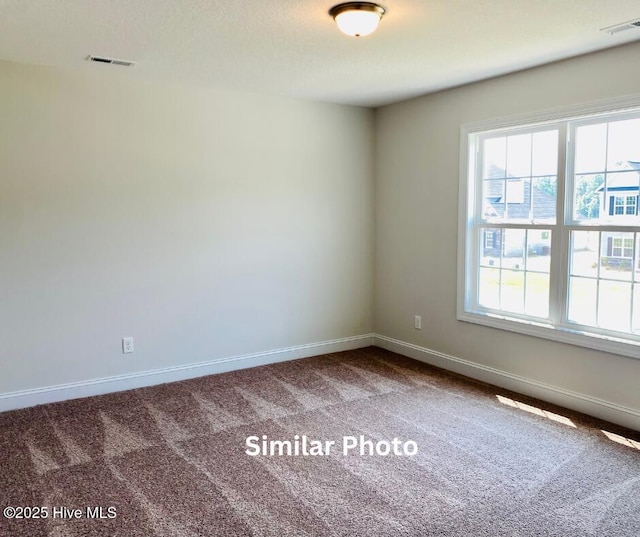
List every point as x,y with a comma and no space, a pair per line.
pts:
127,345
417,322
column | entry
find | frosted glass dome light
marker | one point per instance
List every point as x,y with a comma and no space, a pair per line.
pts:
357,19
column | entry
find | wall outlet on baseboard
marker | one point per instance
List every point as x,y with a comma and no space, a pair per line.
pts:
127,345
417,322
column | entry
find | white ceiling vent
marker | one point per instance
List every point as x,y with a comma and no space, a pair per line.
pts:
629,25
112,61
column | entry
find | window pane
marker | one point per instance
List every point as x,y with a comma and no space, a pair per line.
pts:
583,300
489,288
618,205
509,191
620,197
515,191
591,145
544,192
611,198
616,255
607,167
537,294
588,196
623,147
614,305
510,199
605,300
517,252
545,153
493,199
495,158
630,205
513,248
584,253
518,199
490,247
512,291
538,250
519,155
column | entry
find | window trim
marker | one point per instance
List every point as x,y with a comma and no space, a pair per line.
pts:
467,254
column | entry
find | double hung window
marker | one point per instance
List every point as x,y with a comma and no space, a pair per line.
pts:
550,231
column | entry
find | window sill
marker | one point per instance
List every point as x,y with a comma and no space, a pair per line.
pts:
579,338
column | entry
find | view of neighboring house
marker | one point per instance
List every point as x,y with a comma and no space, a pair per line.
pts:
618,200
513,198
621,197
516,199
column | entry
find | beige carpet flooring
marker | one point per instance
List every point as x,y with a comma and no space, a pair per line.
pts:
170,460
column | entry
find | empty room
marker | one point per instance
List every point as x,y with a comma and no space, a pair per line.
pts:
306,268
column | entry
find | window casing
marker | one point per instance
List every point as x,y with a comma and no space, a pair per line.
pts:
550,232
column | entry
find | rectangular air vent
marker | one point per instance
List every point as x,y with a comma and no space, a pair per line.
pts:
112,61
629,25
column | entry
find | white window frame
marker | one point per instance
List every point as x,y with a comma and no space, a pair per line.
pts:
623,248
631,203
469,209
626,202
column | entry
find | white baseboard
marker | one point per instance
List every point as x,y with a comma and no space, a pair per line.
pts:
586,404
75,390
625,416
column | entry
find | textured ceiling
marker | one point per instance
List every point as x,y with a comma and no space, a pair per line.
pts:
292,47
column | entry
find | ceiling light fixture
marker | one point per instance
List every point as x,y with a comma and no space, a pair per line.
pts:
357,18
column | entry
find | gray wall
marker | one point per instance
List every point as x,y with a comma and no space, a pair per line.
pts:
206,224
417,178
210,224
